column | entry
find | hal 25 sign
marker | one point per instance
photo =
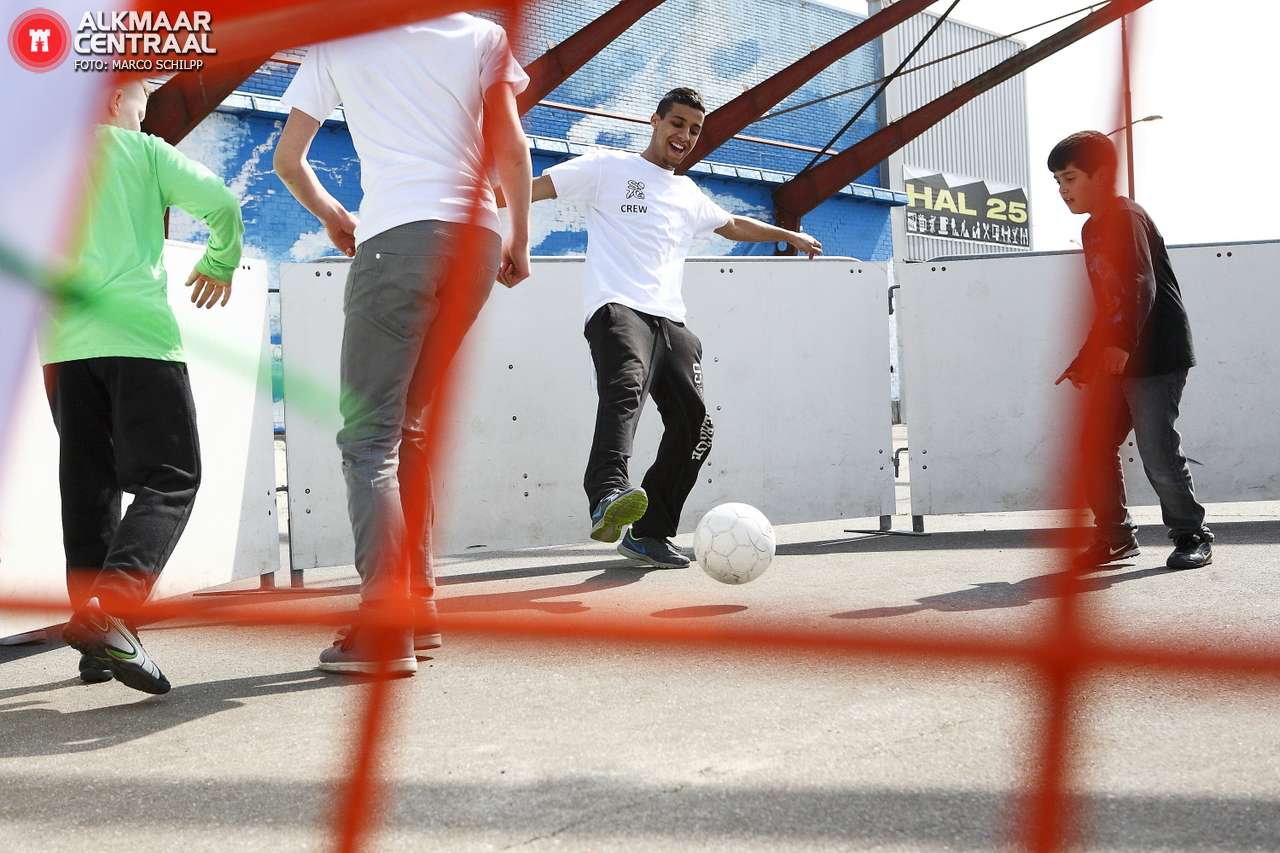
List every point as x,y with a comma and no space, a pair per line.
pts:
958,208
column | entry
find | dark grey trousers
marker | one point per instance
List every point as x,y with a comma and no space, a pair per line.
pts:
1147,405
393,350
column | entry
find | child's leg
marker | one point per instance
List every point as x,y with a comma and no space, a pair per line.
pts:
87,478
622,349
157,455
1107,424
686,433
1154,401
439,347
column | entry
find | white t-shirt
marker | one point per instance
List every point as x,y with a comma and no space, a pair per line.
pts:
641,222
414,99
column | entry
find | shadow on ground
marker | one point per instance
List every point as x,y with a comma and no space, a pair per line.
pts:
30,730
1002,594
537,599
1152,538
594,810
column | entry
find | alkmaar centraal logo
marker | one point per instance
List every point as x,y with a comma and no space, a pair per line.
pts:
39,40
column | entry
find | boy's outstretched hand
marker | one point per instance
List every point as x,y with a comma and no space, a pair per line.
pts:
1073,375
208,292
805,244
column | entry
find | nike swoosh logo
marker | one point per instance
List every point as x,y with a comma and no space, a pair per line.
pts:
122,654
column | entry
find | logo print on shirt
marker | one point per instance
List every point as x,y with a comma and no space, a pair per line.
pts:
635,189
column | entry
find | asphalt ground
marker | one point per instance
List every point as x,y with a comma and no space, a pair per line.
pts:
585,744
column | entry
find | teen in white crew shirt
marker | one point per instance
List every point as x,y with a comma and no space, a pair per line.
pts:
642,221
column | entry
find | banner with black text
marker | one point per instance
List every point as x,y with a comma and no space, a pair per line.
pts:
962,208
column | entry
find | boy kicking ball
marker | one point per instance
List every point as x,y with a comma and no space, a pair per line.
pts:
1134,361
642,221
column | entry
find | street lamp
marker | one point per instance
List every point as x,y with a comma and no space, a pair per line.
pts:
1128,145
1135,121
1128,102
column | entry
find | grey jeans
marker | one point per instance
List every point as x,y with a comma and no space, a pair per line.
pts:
394,350
1149,406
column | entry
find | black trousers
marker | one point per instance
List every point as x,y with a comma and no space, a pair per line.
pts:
124,425
635,355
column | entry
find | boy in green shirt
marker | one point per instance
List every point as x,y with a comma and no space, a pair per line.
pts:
118,384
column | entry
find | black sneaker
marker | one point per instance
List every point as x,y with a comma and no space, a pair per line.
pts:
93,671
615,511
652,551
355,651
1102,552
115,646
1191,551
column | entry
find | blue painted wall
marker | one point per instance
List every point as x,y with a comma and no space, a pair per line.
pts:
716,46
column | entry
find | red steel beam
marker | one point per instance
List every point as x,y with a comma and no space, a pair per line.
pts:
808,189
562,61
726,122
185,99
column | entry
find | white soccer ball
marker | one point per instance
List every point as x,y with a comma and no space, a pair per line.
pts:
734,543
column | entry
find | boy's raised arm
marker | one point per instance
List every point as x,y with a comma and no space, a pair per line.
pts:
189,185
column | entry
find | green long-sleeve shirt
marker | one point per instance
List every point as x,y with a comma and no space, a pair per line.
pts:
118,304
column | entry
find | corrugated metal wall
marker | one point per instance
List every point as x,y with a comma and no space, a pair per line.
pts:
987,138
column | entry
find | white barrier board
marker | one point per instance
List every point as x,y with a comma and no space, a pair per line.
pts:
988,337
795,358
233,531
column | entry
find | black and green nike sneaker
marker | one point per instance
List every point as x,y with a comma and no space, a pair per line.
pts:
94,671
615,511
109,641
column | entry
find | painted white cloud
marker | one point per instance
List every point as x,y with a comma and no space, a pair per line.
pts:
216,142
717,245
312,245
547,218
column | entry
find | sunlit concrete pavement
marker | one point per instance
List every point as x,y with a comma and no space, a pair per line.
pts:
589,746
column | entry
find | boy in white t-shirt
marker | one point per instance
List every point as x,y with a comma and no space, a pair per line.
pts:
642,221
421,103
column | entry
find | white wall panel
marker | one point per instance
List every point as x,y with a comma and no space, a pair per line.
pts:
989,335
232,532
796,376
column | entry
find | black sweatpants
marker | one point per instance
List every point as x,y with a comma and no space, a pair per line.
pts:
637,354
124,425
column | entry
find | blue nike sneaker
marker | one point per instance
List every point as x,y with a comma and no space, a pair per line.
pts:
615,511
114,646
652,551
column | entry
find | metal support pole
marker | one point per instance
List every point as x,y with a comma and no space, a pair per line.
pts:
1128,102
